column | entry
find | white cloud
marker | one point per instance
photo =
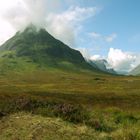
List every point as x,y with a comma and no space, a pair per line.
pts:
105,38
65,26
121,61
111,37
23,12
85,52
95,35
6,31
96,57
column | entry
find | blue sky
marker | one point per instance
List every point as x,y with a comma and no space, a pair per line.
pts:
121,17
98,28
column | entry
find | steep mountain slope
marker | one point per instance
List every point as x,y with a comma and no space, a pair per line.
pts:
135,71
40,48
102,65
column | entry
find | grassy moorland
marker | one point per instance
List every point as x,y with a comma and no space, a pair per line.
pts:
48,91
55,104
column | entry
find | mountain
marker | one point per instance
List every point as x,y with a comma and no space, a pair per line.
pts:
38,48
122,72
135,71
102,65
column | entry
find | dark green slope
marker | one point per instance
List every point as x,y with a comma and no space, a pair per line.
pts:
40,48
35,44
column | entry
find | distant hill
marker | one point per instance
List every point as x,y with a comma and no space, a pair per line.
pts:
135,71
102,65
37,48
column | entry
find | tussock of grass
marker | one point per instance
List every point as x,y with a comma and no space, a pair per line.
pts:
26,126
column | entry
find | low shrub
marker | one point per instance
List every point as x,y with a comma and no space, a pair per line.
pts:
70,112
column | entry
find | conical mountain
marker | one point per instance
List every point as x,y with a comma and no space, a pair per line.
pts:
38,46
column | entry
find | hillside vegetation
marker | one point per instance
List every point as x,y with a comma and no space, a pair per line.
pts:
38,47
48,91
67,105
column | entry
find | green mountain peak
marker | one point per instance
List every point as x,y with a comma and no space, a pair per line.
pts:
42,48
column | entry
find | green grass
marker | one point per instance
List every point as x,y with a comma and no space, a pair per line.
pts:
66,104
26,126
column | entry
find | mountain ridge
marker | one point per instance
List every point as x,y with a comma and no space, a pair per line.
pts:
102,65
41,48
135,71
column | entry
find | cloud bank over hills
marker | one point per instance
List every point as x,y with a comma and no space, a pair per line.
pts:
119,60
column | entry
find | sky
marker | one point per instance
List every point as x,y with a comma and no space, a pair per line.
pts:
99,29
